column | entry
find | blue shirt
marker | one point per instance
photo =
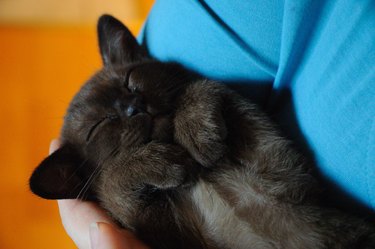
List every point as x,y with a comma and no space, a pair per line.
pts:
310,62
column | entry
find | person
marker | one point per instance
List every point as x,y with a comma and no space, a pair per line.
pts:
310,64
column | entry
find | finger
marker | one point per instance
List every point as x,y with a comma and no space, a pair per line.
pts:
108,236
77,216
54,145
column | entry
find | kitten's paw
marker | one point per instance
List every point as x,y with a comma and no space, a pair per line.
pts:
199,123
207,148
166,166
167,177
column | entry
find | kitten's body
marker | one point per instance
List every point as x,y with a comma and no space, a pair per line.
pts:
185,162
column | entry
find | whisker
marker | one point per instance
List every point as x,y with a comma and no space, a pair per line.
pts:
72,175
76,170
88,182
95,173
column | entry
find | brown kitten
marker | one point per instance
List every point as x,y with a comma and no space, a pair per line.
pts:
184,162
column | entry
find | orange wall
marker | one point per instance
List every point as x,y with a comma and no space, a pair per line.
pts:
40,70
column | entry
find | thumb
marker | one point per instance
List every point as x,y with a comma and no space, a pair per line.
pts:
107,236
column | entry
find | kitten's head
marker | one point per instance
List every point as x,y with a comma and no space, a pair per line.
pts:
128,103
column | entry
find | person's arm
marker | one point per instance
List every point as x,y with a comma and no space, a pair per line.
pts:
90,227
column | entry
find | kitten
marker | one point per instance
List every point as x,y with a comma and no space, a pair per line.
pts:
184,162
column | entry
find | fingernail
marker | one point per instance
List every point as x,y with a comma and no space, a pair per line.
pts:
54,145
94,235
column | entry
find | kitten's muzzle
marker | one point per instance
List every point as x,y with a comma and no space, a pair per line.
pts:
130,105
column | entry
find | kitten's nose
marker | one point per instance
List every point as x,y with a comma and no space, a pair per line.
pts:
131,105
131,111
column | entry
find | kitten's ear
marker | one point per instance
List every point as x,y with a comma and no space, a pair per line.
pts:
57,176
118,47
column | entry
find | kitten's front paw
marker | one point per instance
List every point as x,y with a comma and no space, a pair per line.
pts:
167,177
166,166
206,145
199,123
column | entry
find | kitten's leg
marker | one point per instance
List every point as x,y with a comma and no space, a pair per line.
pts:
199,124
125,183
162,165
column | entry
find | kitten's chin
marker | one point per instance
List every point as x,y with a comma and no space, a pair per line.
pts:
137,130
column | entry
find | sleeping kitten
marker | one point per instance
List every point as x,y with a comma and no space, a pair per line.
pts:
184,162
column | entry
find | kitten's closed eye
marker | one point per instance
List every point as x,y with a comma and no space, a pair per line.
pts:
109,117
92,129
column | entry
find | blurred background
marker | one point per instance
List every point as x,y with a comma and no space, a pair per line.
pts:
48,48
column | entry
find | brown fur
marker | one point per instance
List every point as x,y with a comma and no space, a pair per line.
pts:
184,162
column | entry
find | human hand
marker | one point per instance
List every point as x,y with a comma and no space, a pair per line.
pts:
90,227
